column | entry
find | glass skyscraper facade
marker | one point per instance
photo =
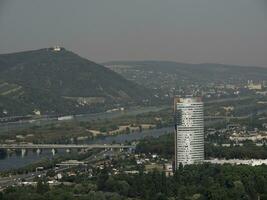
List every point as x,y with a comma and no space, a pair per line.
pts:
189,131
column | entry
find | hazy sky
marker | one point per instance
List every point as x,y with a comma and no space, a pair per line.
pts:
195,31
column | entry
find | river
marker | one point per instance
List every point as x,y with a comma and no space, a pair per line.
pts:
15,161
25,124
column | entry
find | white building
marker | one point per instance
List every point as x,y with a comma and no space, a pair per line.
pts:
57,48
254,86
252,162
189,131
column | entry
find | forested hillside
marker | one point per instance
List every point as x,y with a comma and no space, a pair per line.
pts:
52,81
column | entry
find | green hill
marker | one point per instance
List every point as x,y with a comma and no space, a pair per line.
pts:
60,82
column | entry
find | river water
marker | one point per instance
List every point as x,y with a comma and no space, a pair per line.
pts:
21,125
15,160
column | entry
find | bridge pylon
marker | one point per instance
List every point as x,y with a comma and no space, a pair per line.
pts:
23,152
38,151
53,151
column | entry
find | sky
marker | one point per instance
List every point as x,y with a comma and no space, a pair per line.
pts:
191,31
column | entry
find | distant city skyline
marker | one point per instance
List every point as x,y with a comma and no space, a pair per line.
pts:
187,31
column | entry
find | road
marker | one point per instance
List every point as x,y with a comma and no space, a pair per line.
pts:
16,180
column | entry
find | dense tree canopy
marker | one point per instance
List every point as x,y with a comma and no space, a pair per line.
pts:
203,182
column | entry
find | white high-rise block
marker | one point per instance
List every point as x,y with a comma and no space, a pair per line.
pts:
189,131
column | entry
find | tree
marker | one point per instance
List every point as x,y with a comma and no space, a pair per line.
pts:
239,190
50,173
79,189
42,187
127,130
140,128
102,178
123,188
161,196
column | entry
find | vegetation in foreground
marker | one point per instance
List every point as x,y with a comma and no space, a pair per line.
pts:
201,182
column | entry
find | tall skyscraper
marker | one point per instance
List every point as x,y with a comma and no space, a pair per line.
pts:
189,131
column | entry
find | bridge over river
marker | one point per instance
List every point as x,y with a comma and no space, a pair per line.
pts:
67,147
